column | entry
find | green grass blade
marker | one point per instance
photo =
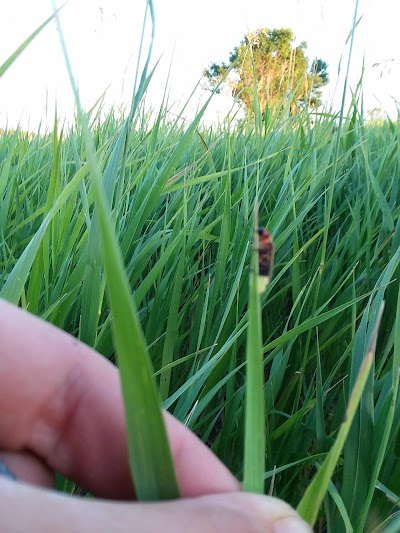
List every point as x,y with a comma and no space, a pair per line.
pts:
394,524
14,56
254,446
149,454
172,329
311,501
387,424
14,285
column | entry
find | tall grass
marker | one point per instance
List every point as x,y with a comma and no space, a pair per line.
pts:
184,224
182,200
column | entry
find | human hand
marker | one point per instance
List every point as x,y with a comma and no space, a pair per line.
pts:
61,410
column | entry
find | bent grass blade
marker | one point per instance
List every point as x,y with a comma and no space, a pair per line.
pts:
312,499
15,55
149,453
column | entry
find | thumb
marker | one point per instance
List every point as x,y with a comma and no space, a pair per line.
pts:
24,507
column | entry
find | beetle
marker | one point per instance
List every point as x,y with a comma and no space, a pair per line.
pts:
265,258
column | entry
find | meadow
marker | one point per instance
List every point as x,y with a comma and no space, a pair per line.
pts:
182,199
135,235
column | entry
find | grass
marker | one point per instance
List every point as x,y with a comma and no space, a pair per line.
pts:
183,218
181,199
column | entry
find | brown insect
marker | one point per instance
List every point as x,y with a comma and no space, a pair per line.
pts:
265,258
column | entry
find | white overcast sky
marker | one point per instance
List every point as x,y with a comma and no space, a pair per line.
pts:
103,38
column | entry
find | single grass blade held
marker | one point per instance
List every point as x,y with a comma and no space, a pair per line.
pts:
149,453
311,501
254,445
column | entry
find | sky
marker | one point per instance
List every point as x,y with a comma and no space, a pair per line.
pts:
103,38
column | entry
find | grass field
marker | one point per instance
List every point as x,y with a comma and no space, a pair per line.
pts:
182,199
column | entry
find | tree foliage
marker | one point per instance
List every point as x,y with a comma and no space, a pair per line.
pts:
279,69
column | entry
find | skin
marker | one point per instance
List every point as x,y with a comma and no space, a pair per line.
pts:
61,410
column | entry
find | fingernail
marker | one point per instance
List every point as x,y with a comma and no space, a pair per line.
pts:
291,525
5,471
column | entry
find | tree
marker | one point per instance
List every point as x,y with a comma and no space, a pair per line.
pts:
278,68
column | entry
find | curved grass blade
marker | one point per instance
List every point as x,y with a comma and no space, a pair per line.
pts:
14,56
312,499
388,424
149,453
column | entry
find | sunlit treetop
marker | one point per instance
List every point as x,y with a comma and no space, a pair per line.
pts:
279,68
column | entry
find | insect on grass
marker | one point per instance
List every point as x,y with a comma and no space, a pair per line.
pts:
265,258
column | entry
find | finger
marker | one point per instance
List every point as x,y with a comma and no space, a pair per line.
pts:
62,402
27,467
27,508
